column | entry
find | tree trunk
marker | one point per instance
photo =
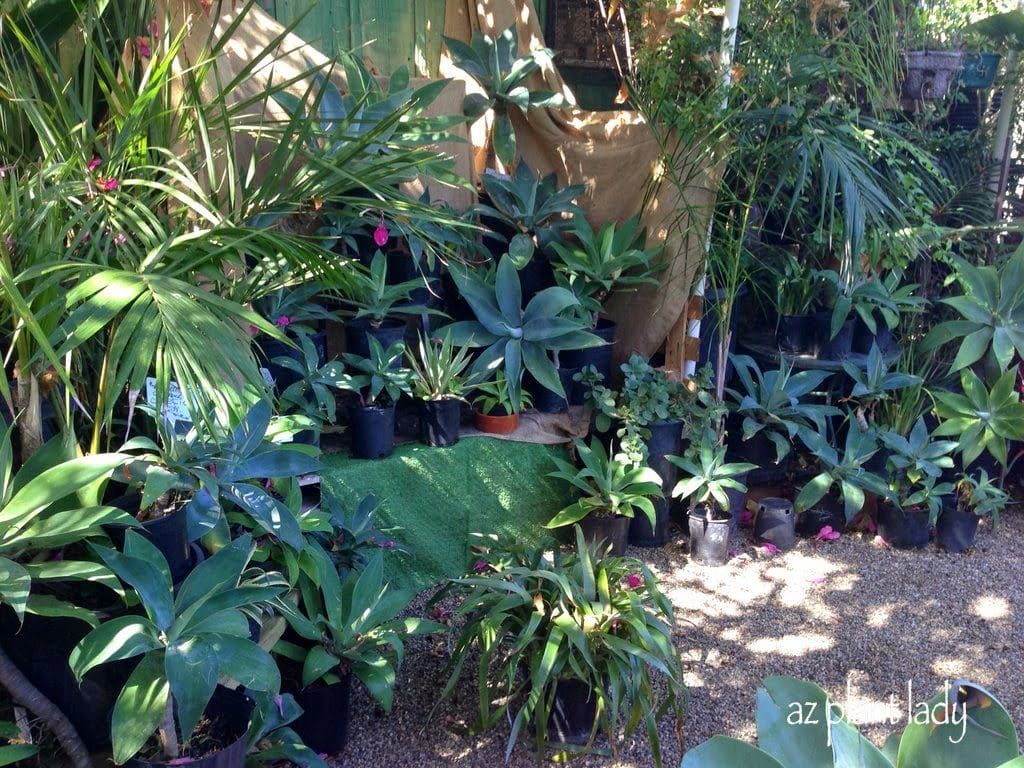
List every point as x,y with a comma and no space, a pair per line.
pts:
26,694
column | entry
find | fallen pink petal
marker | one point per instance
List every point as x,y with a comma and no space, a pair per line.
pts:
817,580
827,534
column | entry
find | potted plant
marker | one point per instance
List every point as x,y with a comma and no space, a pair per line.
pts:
595,266
879,302
295,314
441,381
494,410
611,489
50,505
568,643
516,338
344,628
502,73
181,486
797,291
311,395
991,309
649,414
379,308
187,639
876,388
379,381
708,480
974,498
835,494
914,498
774,410
983,420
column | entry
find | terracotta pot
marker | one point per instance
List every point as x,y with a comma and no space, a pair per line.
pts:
495,425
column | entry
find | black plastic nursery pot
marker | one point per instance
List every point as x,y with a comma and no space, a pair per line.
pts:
828,511
358,331
612,531
439,422
665,440
373,431
709,535
599,357
708,349
643,534
759,450
231,711
864,338
572,715
956,528
272,348
839,346
775,522
903,529
796,335
323,725
40,648
169,534
546,401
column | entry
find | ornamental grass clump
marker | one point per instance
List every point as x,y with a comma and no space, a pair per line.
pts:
535,618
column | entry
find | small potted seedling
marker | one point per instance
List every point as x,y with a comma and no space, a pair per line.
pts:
707,481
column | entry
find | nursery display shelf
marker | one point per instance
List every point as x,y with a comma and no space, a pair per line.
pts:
433,500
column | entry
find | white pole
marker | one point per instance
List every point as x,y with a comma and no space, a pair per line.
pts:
729,26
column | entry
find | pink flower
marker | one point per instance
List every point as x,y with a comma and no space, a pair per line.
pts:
768,549
746,518
480,566
142,45
107,185
94,163
389,544
279,703
253,330
380,234
154,28
120,239
282,321
634,581
827,534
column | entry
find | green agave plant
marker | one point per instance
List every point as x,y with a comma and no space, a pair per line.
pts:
991,307
799,725
609,486
611,259
502,72
982,419
842,471
516,338
775,402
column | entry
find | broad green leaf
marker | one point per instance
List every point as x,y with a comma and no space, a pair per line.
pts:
139,707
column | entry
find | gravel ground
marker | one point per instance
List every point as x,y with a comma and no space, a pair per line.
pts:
861,620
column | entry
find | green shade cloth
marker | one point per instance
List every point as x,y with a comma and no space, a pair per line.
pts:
437,497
